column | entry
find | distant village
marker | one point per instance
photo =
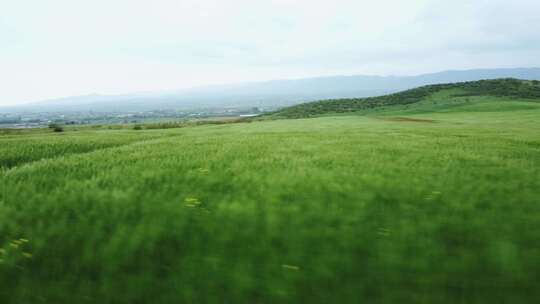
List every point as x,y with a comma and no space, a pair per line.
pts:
41,120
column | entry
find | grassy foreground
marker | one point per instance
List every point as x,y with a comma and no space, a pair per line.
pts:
400,208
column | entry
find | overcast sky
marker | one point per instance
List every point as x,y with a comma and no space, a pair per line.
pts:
58,48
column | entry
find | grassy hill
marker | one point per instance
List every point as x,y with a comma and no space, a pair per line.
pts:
436,202
442,95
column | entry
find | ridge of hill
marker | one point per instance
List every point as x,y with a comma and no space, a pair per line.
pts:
505,87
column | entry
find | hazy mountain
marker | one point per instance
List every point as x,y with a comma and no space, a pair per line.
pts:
265,94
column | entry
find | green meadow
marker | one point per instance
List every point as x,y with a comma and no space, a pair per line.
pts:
437,202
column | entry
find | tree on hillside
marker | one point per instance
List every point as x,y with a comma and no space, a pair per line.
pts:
56,127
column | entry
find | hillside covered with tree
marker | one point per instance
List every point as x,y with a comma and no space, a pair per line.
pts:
508,87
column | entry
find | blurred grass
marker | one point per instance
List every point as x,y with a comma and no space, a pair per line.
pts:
39,145
344,209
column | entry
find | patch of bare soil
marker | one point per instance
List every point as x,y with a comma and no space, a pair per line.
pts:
408,119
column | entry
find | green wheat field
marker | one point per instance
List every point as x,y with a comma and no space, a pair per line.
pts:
436,202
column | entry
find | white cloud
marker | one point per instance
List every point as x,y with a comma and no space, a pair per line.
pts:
62,47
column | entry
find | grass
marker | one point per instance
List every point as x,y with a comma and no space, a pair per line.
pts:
19,149
379,207
442,95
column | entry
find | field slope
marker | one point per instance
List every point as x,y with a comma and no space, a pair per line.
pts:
438,96
433,203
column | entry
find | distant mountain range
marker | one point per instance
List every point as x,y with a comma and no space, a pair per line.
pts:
276,93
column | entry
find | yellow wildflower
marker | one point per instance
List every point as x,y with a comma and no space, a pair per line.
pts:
203,170
290,267
192,202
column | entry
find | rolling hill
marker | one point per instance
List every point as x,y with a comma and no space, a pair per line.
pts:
436,96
